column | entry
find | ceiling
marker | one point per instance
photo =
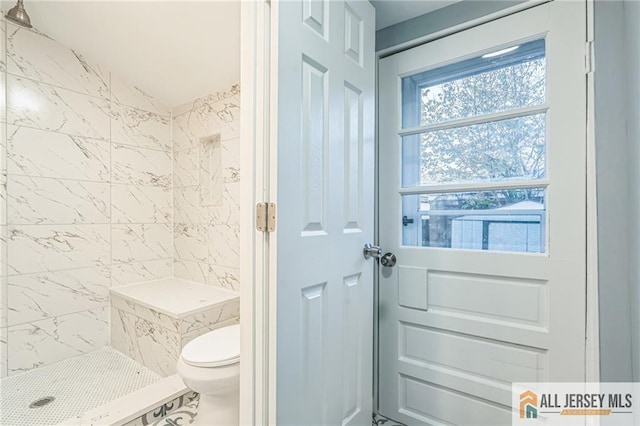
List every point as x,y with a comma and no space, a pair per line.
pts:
174,50
390,12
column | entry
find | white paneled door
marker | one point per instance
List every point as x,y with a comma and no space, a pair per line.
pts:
482,199
325,196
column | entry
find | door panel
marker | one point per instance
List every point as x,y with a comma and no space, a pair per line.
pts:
484,207
325,165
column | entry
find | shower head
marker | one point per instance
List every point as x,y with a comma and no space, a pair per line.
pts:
18,15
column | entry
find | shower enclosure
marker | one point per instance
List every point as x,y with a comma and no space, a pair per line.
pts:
105,183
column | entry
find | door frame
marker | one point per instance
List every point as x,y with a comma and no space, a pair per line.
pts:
258,184
257,249
592,335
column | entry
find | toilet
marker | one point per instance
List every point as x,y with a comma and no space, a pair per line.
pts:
210,365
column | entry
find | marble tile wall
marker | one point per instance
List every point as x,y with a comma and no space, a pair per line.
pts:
155,339
3,197
85,193
206,233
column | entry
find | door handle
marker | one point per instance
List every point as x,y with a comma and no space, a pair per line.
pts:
388,259
371,251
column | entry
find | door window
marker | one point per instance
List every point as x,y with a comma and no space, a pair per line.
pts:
474,142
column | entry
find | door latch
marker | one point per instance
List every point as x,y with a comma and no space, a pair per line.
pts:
406,220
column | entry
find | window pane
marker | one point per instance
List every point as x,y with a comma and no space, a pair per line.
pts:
505,220
486,84
495,151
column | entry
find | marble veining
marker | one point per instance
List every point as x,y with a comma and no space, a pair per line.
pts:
185,168
53,247
187,207
224,277
187,130
202,104
44,342
35,200
206,118
229,212
133,96
129,273
140,242
43,59
225,118
231,160
140,204
218,314
3,97
33,297
57,155
159,318
132,165
190,242
147,317
3,42
86,190
215,115
175,297
3,147
144,129
153,346
189,270
3,353
226,245
46,107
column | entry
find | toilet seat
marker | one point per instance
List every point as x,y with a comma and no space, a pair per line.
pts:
216,348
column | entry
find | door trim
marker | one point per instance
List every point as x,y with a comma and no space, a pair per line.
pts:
257,346
592,367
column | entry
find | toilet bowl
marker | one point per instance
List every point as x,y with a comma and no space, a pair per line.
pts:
210,365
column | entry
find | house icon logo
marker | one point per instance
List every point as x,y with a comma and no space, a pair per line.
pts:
528,405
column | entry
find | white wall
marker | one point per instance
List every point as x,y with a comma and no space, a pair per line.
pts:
439,20
613,184
632,90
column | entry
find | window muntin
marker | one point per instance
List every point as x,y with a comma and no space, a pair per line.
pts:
480,120
494,151
477,86
503,220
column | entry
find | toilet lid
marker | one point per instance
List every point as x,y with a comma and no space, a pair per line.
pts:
214,349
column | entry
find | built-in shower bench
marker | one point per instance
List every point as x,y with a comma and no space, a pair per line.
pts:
152,321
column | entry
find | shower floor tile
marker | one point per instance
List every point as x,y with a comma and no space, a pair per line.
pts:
78,384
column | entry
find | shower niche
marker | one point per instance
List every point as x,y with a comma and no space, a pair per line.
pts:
211,181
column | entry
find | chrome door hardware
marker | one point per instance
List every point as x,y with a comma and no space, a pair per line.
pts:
371,251
388,260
